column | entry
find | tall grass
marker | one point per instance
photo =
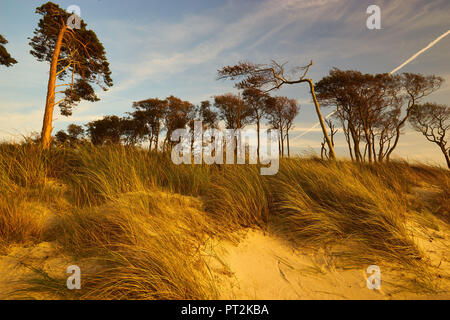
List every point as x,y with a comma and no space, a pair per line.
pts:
26,191
104,173
137,223
317,202
237,197
143,245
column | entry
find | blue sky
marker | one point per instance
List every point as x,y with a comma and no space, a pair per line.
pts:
159,48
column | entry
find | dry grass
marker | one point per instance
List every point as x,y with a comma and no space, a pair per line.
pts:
138,223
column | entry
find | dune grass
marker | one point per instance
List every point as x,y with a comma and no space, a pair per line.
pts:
137,223
316,202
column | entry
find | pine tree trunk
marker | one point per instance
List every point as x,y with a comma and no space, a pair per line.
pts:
46,134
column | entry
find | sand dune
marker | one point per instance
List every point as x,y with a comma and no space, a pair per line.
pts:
264,267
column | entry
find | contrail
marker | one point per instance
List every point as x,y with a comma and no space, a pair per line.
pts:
421,51
314,126
393,71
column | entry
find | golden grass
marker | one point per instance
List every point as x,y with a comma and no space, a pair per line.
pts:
138,223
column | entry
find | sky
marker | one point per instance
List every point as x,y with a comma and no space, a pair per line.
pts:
163,48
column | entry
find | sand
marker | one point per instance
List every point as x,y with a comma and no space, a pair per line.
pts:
262,266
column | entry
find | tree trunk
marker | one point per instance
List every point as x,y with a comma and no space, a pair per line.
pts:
258,144
368,145
331,152
157,138
46,134
356,148
398,129
279,143
282,141
150,144
288,148
447,155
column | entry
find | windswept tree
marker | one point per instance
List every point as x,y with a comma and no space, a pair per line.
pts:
373,108
433,121
340,89
77,58
5,57
416,87
272,77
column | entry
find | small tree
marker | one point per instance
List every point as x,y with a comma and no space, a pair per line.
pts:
5,57
433,121
61,137
75,131
148,117
106,130
75,55
233,110
73,135
178,115
207,115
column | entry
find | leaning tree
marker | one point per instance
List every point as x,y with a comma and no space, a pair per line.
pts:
77,58
5,57
272,77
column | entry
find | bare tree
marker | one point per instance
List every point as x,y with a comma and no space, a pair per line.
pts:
273,76
433,121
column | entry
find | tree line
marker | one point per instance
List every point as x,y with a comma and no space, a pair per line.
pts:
373,110
153,119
